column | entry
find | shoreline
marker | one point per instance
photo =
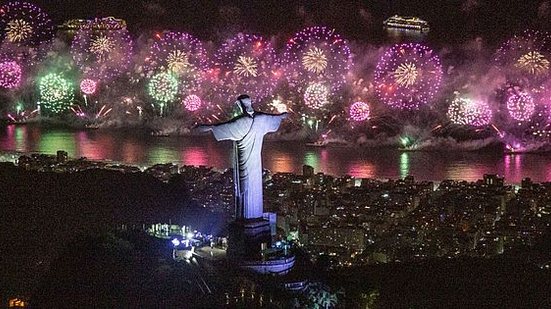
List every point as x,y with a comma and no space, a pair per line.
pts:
13,156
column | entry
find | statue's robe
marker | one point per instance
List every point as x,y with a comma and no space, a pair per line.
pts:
248,132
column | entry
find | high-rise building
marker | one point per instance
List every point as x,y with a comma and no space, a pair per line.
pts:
62,156
493,180
307,171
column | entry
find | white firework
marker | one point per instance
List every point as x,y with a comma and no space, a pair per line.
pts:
315,60
406,74
246,66
177,61
533,62
101,46
316,95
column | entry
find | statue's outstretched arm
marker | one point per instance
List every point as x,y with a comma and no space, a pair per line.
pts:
234,129
202,128
274,120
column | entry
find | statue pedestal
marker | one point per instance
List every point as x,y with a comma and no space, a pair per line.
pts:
246,239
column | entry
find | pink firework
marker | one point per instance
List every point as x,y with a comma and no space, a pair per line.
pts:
247,64
521,106
10,74
408,76
88,86
359,111
317,54
192,103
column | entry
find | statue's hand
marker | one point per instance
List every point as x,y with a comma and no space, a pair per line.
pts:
284,115
202,128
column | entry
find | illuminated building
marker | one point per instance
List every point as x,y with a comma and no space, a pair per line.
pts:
307,171
493,180
62,156
336,237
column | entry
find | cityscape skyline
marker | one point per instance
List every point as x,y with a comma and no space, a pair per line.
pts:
364,154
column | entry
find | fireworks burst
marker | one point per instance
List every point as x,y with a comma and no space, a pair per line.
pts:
56,93
521,106
279,106
467,112
163,87
181,54
359,111
88,86
192,103
10,74
102,55
534,63
314,60
317,54
18,31
408,76
101,46
177,61
525,56
24,24
244,64
316,95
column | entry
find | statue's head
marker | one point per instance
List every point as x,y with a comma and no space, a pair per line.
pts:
246,104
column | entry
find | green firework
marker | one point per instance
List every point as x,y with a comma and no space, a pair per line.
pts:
56,93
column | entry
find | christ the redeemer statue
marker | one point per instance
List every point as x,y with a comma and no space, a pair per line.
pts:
247,131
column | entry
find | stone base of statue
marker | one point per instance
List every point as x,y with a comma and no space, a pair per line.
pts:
249,246
247,238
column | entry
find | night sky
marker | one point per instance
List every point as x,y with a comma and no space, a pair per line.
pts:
354,19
